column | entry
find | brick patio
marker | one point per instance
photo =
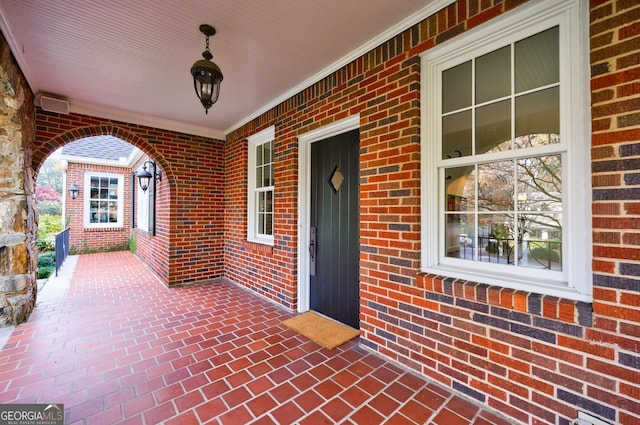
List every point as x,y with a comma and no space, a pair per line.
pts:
120,347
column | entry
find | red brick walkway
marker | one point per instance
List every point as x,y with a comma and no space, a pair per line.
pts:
122,348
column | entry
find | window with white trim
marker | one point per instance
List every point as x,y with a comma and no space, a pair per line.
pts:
103,201
260,187
506,184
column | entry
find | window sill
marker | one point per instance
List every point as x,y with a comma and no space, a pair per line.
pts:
103,229
488,300
259,247
260,241
515,282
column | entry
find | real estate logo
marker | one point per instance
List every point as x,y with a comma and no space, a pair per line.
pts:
31,414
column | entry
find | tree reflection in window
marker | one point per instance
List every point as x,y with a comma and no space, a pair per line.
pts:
103,202
502,174
508,212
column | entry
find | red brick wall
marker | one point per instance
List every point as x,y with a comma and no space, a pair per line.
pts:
538,359
144,240
82,239
188,246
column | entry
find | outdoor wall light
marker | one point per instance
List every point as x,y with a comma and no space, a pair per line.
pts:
144,179
144,176
206,74
74,190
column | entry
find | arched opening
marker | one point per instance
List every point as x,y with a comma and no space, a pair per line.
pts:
110,211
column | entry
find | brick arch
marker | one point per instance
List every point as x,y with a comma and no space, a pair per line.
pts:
42,152
189,245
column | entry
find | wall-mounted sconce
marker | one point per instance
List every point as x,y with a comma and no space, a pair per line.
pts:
74,190
144,179
144,176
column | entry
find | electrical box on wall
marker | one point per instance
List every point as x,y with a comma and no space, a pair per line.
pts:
52,103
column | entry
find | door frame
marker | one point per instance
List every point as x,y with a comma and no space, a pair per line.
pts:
304,197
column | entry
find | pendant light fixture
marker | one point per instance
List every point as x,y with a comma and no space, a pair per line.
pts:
206,74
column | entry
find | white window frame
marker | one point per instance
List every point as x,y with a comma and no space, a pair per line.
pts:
575,280
264,136
87,200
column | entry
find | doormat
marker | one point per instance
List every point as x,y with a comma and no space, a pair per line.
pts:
326,332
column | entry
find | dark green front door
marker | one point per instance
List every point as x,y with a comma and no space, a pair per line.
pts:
335,266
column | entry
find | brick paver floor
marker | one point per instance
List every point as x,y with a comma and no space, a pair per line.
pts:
120,347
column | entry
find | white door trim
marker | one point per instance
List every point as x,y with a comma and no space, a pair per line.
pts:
304,197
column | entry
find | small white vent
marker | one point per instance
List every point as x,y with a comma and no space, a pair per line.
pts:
51,103
587,419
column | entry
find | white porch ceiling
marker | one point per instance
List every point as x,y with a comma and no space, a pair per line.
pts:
129,60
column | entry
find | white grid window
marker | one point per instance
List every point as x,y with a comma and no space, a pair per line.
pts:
103,200
505,151
260,197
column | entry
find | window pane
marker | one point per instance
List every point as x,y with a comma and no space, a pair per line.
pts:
496,186
103,212
460,188
493,127
259,177
113,212
456,135
539,113
259,160
456,88
460,236
93,212
540,183
269,225
267,176
113,189
493,75
495,238
268,148
268,201
542,241
537,61
260,223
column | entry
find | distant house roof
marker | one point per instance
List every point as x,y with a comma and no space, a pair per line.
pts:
99,149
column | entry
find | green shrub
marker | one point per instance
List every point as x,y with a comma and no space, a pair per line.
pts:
48,223
47,259
46,264
133,243
45,245
48,226
45,272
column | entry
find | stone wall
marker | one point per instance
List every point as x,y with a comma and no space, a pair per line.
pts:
18,222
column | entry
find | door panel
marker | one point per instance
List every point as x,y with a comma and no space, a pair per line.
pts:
334,289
